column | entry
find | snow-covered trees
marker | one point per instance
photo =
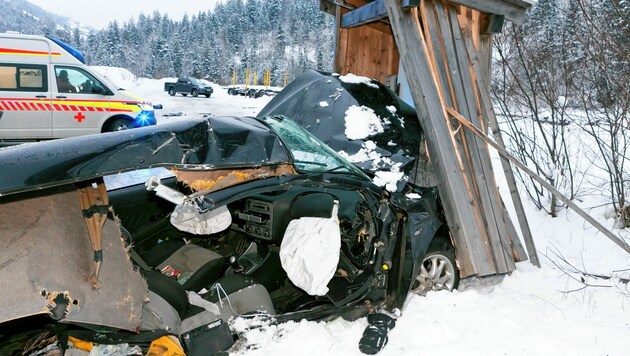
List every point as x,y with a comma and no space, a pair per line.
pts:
280,35
568,68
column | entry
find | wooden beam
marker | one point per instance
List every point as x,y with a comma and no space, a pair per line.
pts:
371,12
408,4
511,11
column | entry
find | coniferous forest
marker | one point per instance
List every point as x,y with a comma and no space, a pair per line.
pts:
277,35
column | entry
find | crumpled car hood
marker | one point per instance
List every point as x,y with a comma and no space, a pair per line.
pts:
319,102
204,144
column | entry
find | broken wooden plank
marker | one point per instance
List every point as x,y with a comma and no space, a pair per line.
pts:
614,238
483,88
440,43
481,164
460,215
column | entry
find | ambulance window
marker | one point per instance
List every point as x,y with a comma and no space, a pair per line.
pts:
8,78
31,78
23,77
76,80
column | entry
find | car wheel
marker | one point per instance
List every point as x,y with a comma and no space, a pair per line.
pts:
438,270
118,125
194,93
261,93
171,91
207,95
251,93
231,91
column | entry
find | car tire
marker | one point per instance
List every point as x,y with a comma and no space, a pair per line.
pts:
194,93
251,93
118,125
171,91
439,269
231,91
207,95
261,93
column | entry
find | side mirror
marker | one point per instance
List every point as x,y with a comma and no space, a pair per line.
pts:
98,90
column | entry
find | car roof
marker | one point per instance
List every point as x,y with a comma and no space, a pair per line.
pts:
203,145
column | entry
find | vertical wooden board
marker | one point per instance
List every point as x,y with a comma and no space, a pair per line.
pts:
484,172
430,109
483,87
342,50
483,254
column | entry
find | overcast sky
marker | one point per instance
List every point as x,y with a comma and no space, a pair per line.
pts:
98,14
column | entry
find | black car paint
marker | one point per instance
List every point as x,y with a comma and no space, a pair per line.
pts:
301,99
220,142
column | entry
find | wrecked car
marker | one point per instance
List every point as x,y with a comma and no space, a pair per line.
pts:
174,230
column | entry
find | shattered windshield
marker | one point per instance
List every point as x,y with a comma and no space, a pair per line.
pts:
309,153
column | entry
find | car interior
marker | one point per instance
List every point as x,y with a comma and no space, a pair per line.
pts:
248,250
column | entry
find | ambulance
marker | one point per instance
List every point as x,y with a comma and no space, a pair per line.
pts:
47,92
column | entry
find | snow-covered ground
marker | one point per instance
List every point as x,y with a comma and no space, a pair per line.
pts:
548,311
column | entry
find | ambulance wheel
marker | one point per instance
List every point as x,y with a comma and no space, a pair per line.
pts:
171,91
194,93
118,125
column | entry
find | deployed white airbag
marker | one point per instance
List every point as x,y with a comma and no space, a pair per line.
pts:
309,252
187,217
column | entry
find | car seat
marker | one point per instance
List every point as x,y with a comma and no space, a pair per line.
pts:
193,266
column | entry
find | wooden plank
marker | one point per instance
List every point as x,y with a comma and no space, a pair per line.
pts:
472,164
481,163
439,42
341,46
614,238
483,88
517,249
365,14
511,11
431,114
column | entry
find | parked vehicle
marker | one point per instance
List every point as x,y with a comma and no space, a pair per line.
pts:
227,221
250,92
46,92
185,86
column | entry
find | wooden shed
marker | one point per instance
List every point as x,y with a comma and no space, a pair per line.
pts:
438,54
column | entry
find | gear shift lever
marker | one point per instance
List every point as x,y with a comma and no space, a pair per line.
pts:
233,261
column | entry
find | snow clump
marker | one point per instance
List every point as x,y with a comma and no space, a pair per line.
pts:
362,122
356,79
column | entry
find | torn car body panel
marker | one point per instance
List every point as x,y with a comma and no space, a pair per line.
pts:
46,251
319,102
216,143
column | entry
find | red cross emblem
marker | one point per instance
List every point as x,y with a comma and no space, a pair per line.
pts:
79,117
